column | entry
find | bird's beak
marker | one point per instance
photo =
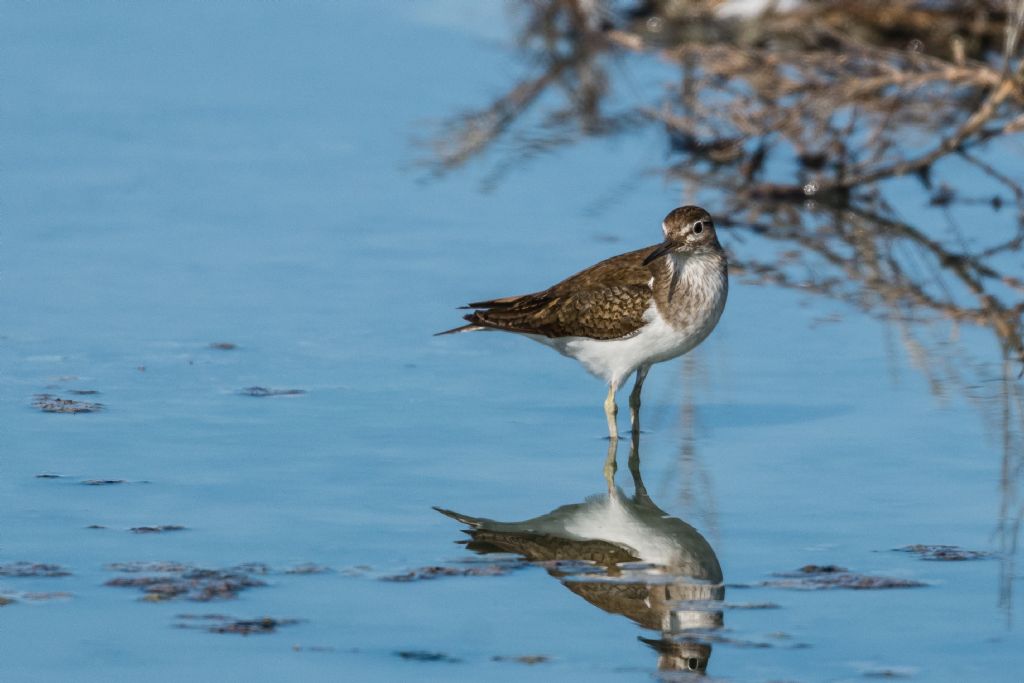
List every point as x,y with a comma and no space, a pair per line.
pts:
664,248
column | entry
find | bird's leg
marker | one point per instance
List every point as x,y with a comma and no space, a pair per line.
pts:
634,397
610,465
611,410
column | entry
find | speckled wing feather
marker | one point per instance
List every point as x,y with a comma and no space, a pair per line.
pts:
605,301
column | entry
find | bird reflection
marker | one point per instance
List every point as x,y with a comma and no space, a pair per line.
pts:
627,556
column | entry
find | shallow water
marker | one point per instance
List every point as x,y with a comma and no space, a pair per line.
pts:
179,176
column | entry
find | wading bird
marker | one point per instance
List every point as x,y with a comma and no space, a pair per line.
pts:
628,312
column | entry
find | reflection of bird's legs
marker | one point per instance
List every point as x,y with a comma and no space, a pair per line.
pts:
634,397
610,465
611,410
640,491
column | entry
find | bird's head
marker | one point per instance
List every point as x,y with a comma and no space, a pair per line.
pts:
688,230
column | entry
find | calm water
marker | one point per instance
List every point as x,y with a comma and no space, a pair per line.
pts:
176,175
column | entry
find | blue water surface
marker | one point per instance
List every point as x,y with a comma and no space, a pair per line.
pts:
179,174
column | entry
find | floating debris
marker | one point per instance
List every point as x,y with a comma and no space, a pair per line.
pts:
313,648
529,660
6,601
225,624
103,482
223,346
437,571
176,580
49,475
137,567
820,569
33,569
888,673
260,568
49,403
95,526
45,596
819,577
308,568
943,553
156,529
83,392
425,656
245,626
357,570
263,391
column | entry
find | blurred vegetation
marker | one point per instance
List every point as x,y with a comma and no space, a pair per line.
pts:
855,92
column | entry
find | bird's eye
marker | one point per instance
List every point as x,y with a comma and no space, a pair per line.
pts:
698,227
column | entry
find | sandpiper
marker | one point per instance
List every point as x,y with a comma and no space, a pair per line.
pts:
628,312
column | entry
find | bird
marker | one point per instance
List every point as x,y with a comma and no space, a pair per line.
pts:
628,312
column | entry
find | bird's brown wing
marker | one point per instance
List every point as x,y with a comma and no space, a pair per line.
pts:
599,313
606,301
623,270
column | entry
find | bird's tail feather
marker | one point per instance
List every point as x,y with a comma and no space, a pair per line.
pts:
459,517
462,328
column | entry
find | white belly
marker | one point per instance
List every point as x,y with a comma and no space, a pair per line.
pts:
614,359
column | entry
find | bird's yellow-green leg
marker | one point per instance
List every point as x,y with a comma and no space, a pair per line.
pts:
634,398
610,411
610,465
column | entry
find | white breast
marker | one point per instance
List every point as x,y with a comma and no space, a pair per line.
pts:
707,288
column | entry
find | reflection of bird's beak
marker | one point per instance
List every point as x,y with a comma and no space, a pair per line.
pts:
662,249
